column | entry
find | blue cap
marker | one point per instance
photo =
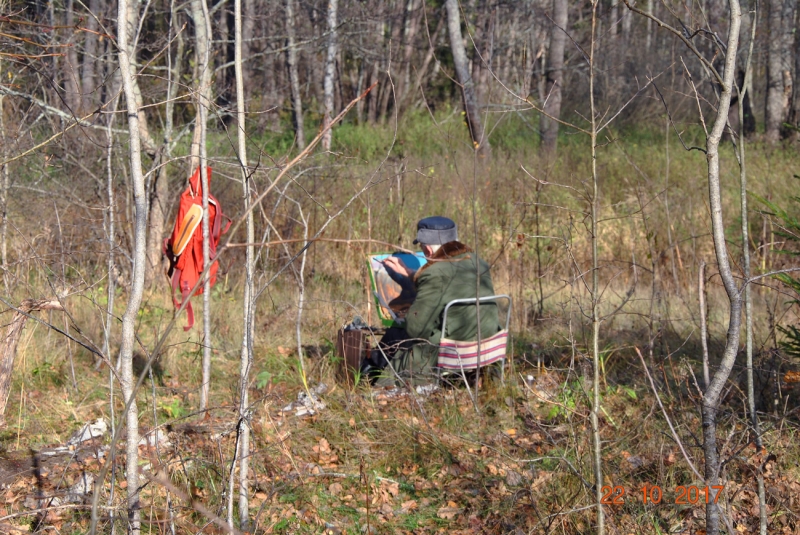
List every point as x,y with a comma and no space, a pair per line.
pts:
436,230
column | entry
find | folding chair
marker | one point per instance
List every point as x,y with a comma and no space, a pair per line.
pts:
465,355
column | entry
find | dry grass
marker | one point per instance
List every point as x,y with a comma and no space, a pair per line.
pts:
435,465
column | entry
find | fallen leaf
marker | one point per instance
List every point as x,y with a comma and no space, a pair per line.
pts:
513,478
392,487
792,376
12,529
449,512
410,505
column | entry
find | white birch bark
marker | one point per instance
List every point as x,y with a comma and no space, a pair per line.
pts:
714,391
463,76
294,78
72,88
330,72
202,25
595,414
90,61
301,299
554,77
409,33
5,184
748,300
110,221
159,191
247,331
110,224
137,284
779,65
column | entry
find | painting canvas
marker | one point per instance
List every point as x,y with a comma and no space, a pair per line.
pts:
393,293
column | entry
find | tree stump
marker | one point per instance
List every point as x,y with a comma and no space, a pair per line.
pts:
8,345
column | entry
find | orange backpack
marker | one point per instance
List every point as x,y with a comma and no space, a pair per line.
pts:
184,249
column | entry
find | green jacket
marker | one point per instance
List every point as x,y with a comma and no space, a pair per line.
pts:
449,274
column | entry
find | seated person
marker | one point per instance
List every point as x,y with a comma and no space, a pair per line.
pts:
451,273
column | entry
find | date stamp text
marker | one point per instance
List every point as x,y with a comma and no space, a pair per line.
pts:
683,495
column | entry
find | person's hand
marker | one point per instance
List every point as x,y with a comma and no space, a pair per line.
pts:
395,264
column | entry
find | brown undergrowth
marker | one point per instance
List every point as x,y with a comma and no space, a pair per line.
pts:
371,462
375,460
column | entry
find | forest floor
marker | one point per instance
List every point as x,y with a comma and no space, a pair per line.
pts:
375,460
518,460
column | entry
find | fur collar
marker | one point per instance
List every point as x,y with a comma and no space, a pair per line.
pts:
446,253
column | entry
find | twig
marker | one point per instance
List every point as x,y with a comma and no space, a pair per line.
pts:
701,291
194,504
680,36
311,240
669,115
622,108
664,412
770,274
696,97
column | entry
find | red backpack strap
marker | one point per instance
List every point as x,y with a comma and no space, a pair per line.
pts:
185,294
166,250
216,229
217,223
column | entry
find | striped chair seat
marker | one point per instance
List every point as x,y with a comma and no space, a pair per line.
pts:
457,355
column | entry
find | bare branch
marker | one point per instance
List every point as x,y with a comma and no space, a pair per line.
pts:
666,417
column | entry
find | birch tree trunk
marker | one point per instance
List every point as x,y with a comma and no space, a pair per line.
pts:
409,34
146,142
375,76
748,301
463,77
126,24
110,224
294,78
247,331
149,147
794,112
248,33
422,71
201,76
5,185
330,72
554,78
72,89
713,392
627,16
202,28
595,414
779,66
89,72
480,45
159,191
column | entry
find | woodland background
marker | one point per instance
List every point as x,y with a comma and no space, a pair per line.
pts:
487,127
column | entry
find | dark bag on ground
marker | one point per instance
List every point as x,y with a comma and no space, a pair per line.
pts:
352,347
